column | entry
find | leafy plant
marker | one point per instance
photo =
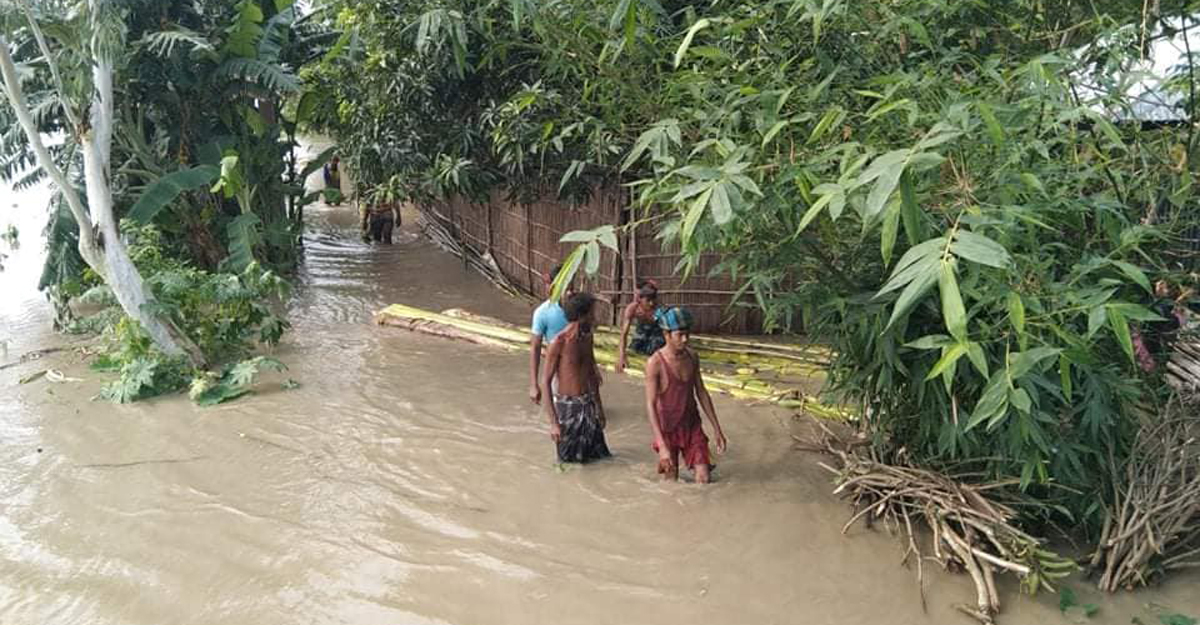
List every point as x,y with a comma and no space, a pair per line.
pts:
228,315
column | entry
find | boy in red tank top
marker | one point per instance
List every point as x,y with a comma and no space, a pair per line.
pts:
674,394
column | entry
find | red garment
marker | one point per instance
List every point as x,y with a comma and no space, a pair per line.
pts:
679,419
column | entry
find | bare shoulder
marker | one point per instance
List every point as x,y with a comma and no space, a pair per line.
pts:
653,365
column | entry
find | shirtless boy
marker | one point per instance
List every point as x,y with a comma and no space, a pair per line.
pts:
643,311
674,387
575,412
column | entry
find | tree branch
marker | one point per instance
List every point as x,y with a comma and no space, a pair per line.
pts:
16,97
58,83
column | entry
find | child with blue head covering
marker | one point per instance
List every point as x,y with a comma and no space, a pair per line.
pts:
675,393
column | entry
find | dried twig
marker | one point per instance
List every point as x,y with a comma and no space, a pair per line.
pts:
1153,523
974,530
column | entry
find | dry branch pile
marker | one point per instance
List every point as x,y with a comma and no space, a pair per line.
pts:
973,529
1153,525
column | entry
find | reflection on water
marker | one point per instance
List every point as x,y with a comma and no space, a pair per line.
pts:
409,481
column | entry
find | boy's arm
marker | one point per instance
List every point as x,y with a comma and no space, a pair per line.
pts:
596,381
652,412
626,321
552,356
707,405
535,360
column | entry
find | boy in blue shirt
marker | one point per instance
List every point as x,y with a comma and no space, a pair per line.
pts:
548,320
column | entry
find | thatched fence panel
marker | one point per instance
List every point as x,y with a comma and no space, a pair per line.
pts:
523,239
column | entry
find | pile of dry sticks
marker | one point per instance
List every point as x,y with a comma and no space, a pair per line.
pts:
1153,526
973,524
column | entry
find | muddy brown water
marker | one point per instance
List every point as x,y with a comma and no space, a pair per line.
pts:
408,480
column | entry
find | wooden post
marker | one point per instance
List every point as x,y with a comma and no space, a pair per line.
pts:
619,260
529,250
633,253
488,208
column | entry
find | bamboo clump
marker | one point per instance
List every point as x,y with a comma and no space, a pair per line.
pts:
1153,525
973,529
780,390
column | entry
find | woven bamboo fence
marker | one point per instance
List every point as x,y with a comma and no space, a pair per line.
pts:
523,239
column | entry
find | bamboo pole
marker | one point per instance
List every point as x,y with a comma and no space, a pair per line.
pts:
514,338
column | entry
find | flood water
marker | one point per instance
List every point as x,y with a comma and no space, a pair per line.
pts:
408,480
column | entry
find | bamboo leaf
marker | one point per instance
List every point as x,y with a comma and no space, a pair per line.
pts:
916,289
980,249
882,190
993,401
1135,311
1024,362
566,275
954,315
832,117
1019,398
881,165
978,358
910,212
1033,182
993,126
950,356
722,212
891,226
909,264
931,341
812,212
1120,328
1133,272
693,215
779,125
592,258
607,236
687,40
1096,318
1016,312
1064,374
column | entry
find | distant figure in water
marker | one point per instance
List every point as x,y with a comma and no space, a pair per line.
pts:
378,221
643,311
333,181
576,413
548,320
674,387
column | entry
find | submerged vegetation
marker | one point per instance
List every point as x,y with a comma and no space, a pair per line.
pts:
177,155
966,200
969,202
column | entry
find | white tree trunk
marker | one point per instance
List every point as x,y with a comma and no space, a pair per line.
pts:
100,243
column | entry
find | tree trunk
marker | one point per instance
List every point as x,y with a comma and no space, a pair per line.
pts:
99,242
120,274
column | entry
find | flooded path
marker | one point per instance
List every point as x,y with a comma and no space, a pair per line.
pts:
408,480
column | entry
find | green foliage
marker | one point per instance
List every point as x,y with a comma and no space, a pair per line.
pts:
586,255
164,190
210,389
939,190
227,315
